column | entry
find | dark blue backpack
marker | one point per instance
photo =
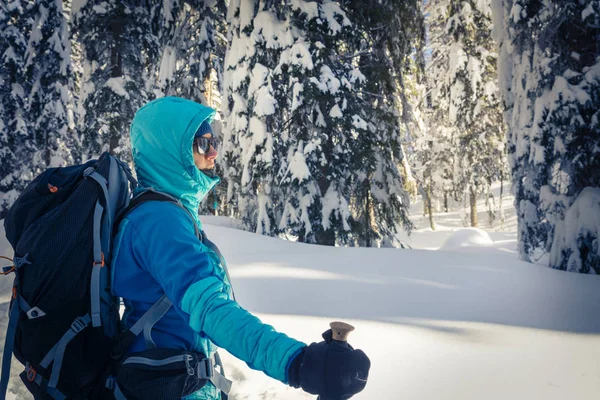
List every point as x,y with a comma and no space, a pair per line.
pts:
64,324
64,321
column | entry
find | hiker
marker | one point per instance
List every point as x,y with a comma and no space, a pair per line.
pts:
157,252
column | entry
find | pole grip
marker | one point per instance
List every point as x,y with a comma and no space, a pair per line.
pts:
341,330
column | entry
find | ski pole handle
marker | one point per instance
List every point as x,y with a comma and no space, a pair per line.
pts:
340,332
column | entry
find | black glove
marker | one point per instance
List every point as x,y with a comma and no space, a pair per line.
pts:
330,369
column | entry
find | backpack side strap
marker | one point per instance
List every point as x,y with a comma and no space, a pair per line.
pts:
9,343
144,324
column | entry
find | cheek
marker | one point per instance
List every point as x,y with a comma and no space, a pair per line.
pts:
197,159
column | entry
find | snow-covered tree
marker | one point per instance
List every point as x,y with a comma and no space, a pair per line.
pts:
118,45
192,37
465,111
16,147
289,118
192,45
384,49
550,78
48,70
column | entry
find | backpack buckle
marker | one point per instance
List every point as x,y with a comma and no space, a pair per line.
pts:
78,325
206,368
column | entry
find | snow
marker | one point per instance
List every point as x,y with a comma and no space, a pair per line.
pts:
275,33
298,168
310,8
264,102
359,123
335,204
167,65
466,238
101,8
261,91
516,12
329,10
76,5
117,85
258,77
327,82
336,112
484,7
297,97
589,10
298,55
437,324
241,48
356,75
246,12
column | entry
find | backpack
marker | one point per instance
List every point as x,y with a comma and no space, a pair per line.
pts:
64,323
63,320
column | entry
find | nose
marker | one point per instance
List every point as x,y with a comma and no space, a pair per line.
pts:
212,153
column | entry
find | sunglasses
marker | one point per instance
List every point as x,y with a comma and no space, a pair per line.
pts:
203,144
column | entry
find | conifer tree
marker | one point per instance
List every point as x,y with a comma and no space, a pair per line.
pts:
436,146
289,113
48,69
389,32
192,37
322,122
16,147
550,78
118,45
465,108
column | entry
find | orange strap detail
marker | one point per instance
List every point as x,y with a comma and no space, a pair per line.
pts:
52,188
101,263
31,373
12,269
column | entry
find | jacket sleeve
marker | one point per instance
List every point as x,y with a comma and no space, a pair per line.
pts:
193,279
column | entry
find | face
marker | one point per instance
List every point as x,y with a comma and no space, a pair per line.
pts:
207,160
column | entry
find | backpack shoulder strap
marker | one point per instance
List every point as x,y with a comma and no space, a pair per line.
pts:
152,195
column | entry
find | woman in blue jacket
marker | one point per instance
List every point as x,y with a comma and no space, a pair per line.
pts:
158,253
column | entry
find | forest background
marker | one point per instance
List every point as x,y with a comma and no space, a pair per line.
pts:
333,115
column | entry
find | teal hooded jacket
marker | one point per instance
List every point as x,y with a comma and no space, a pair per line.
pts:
156,252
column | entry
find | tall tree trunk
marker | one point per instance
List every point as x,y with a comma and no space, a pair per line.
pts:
430,207
445,200
473,198
368,219
489,204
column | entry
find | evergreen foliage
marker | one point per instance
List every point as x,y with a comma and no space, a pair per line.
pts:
389,32
16,147
550,73
118,45
290,118
465,140
48,70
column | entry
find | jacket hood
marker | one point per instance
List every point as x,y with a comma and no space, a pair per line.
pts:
162,136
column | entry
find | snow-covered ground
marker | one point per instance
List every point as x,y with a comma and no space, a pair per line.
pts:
456,317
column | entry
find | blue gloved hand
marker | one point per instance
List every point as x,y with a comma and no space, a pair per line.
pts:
331,369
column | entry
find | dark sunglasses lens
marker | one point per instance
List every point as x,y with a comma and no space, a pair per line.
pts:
204,144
